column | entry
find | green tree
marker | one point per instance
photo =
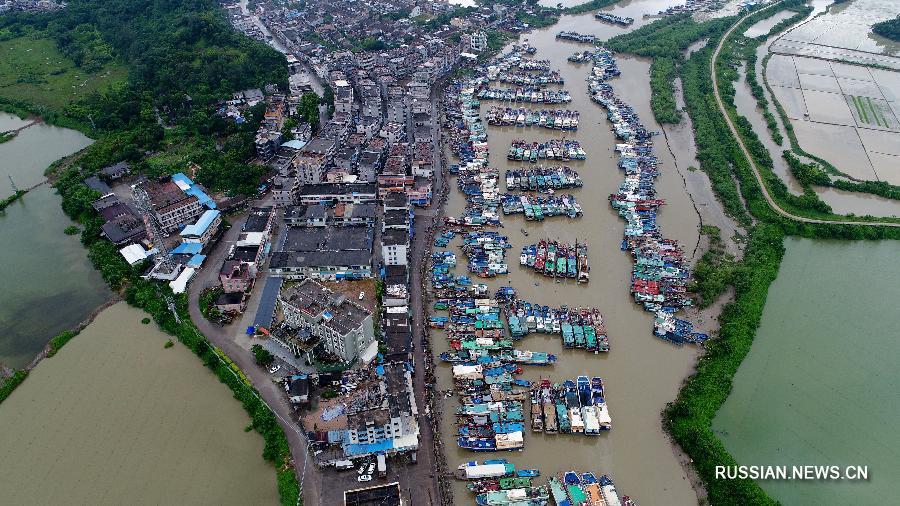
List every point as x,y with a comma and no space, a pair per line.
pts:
309,108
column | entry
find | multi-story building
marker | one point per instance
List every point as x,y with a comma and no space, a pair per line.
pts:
395,246
352,193
172,207
310,161
344,327
343,97
284,190
389,426
205,228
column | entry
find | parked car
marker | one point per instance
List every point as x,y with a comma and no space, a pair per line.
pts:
362,295
275,368
365,477
371,468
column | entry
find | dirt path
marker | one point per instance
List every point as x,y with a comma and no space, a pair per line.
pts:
746,153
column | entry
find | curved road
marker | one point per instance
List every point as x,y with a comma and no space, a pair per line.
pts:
759,178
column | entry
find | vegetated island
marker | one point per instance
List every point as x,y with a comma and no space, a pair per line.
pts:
889,29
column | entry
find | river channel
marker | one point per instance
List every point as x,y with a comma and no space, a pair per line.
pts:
49,284
641,373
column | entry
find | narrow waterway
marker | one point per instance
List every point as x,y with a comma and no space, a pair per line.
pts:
642,373
25,157
49,284
820,385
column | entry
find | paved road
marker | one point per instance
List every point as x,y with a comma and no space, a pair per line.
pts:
420,480
746,152
227,339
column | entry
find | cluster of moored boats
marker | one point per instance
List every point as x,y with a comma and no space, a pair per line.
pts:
564,150
486,253
558,260
581,57
573,407
527,94
577,37
559,119
614,19
527,78
537,208
581,328
542,179
688,6
496,482
660,273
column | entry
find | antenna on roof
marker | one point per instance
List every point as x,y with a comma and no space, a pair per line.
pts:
142,201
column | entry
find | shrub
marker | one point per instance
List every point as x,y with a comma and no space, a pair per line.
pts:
60,340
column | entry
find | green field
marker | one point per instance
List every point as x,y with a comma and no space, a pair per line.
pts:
33,71
116,418
871,112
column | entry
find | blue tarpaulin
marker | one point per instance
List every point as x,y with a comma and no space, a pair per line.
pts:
194,190
187,248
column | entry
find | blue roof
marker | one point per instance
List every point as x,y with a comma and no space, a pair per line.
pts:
294,144
194,190
196,260
362,449
203,223
187,248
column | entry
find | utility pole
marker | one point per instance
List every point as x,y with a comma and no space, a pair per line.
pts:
142,200
12,184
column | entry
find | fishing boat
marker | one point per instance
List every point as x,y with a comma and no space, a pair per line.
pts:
548,407
515,497
559,492
599,403
608,490
495,468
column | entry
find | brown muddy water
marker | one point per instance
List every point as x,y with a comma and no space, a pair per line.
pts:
115,418
642,373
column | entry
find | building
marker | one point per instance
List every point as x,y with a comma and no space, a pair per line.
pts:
205,228
231,302
348,193
284,190
311,161
378,495
235,276
172,207
115,171
122,225
344,327
478,41
389,427
326,253
343,96
395,246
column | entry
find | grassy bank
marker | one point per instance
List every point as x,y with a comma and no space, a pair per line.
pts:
10,384
12,198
